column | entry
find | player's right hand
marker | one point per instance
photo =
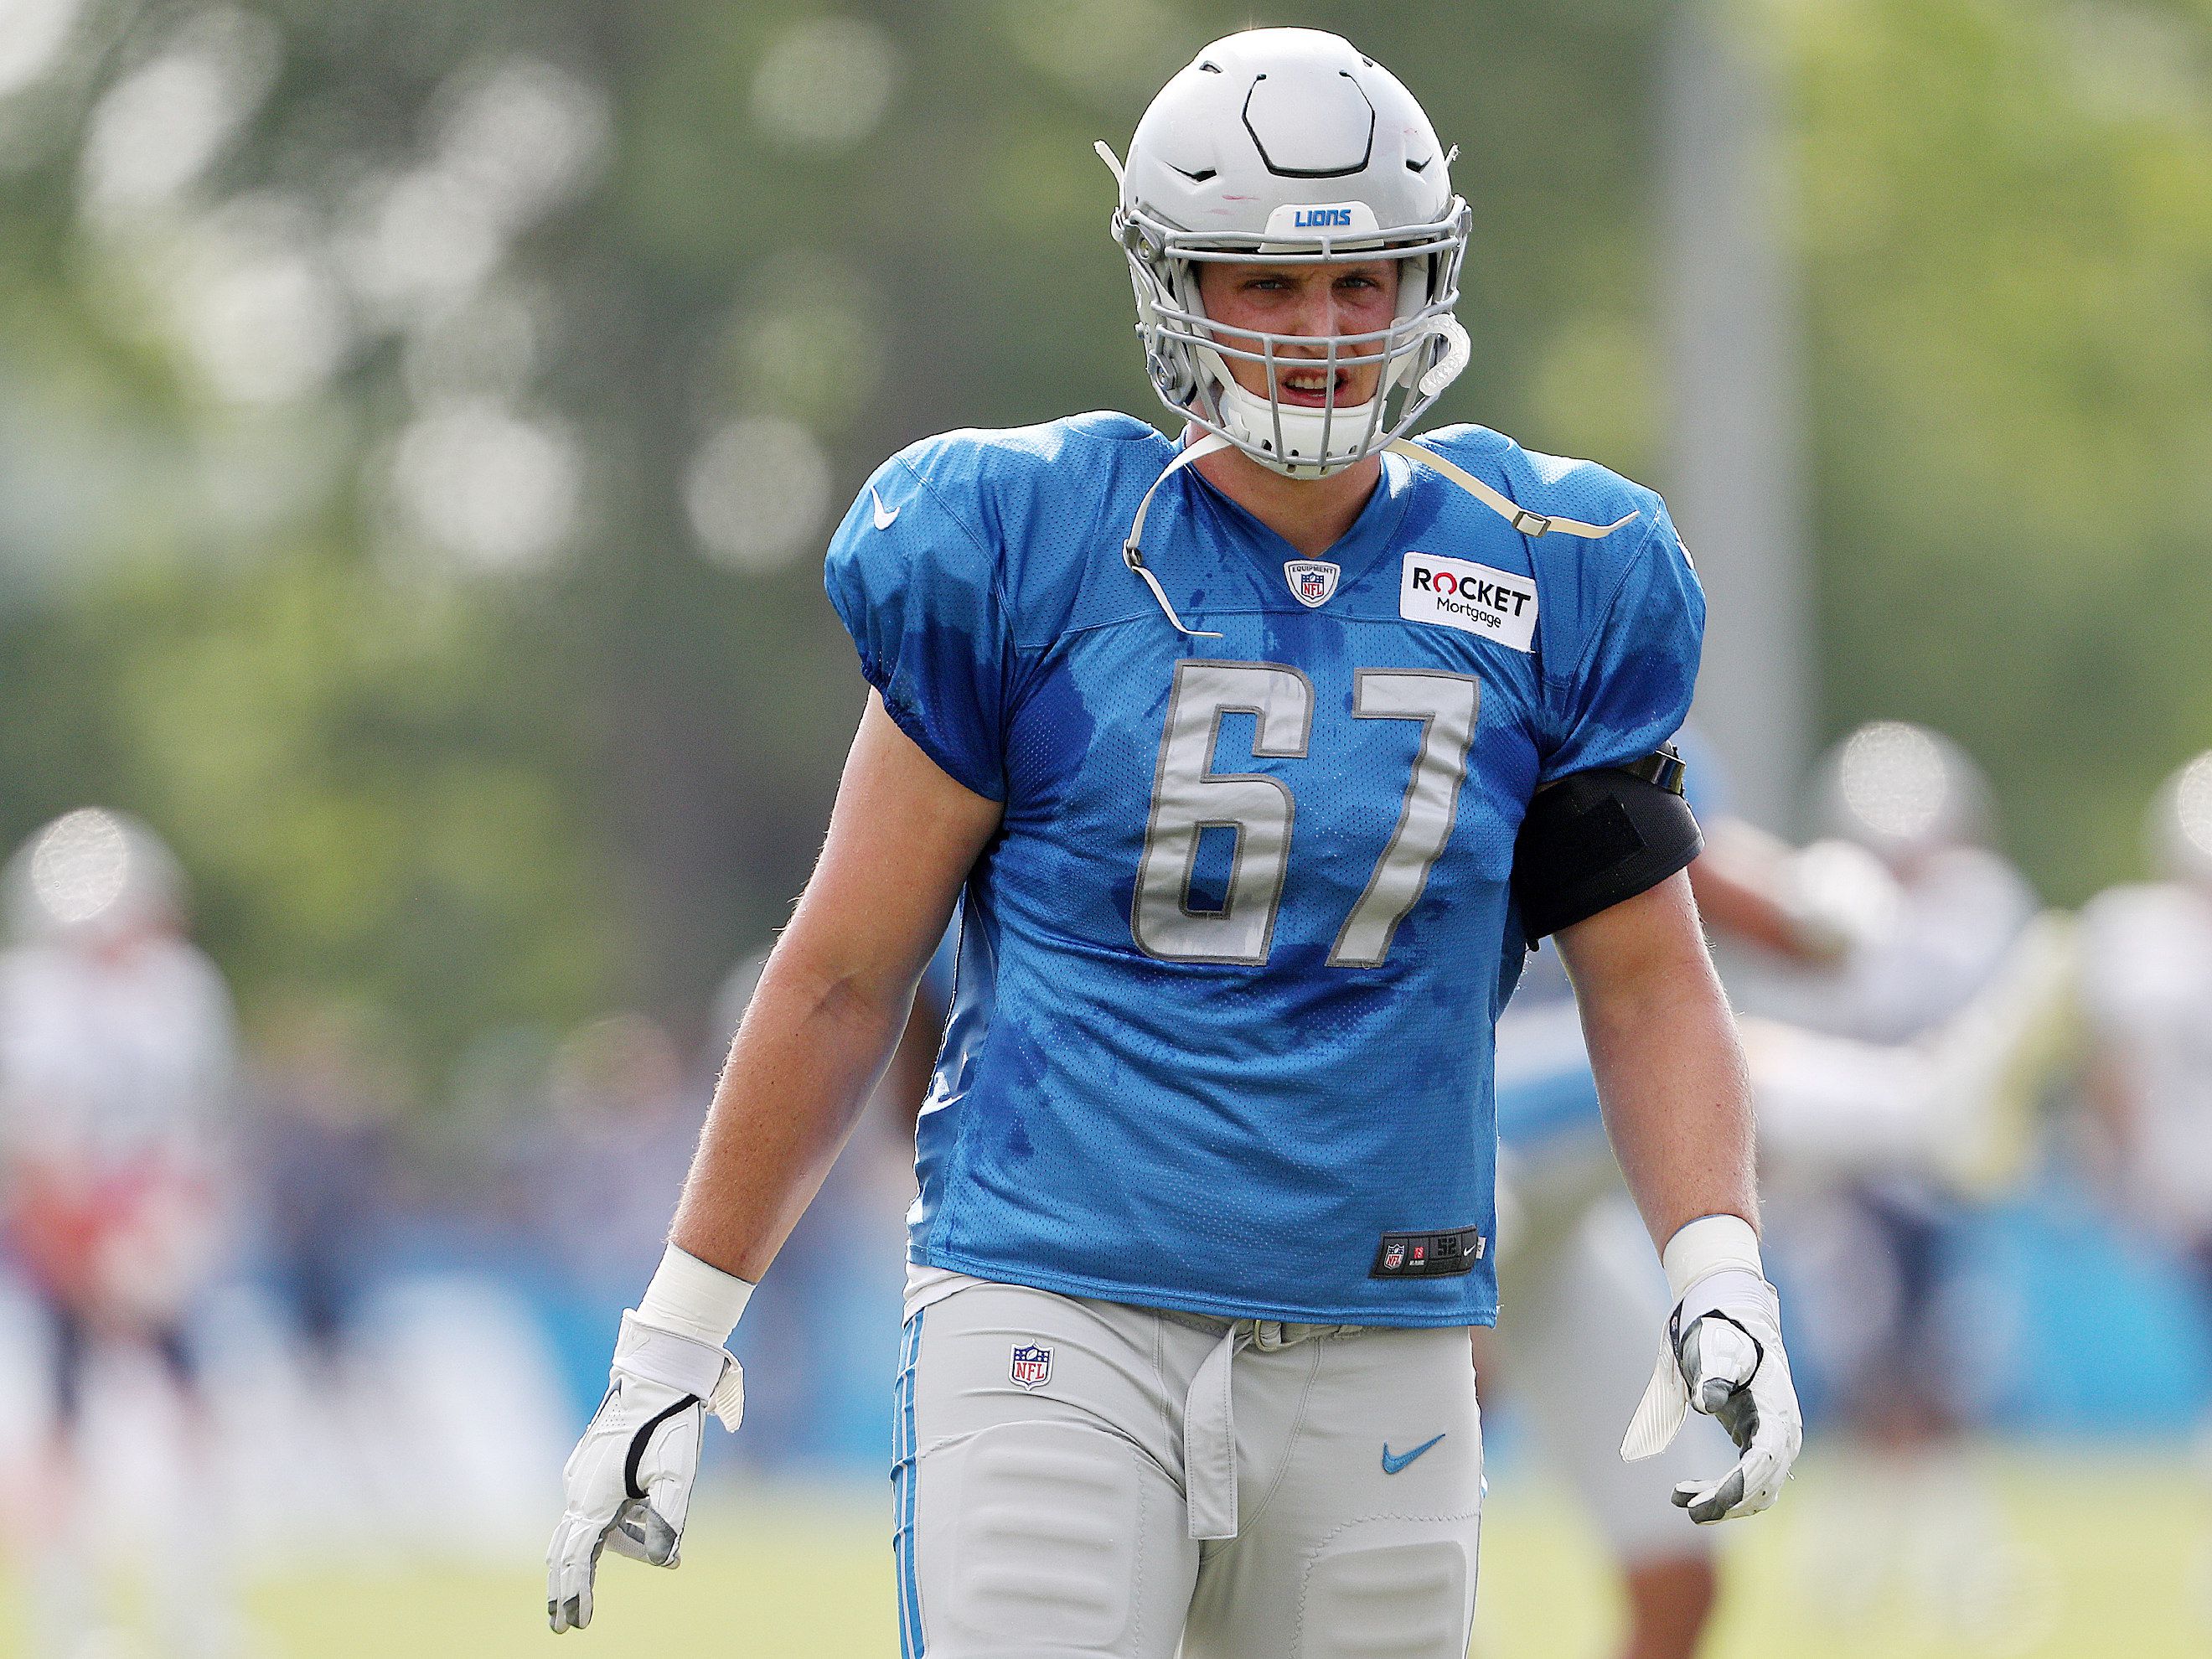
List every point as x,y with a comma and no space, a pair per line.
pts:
628,1481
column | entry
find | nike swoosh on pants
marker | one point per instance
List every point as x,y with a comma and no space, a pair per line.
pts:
1392,1465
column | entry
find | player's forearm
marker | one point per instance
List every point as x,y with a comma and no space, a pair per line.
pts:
813,1043
833,998
1669,1067
1671,1077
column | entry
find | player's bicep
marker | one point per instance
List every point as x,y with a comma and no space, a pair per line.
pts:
902,837
1644,940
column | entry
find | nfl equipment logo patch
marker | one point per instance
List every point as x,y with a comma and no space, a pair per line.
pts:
1312,581
1393,1256
1031,1367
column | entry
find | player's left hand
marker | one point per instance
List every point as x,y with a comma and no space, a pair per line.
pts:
628,1481
1723,1356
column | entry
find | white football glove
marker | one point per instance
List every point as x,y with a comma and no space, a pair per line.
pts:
628,1481
1723,1354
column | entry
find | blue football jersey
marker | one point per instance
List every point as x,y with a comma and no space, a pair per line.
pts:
1221,1036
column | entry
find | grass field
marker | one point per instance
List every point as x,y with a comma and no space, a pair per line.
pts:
2107,1560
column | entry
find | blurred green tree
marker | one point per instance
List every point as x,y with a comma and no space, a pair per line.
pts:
418,420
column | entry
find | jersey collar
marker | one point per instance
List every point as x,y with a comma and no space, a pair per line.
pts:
1354,553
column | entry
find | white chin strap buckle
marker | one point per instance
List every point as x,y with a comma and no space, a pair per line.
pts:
1459,352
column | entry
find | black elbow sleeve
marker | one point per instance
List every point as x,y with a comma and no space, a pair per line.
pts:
1595,838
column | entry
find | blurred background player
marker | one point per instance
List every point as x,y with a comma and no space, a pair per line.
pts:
2150,1004
2149,1001
1577,1284
1891,1088
117,1074
1915,1053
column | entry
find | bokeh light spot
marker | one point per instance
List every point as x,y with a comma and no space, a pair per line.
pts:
256,308
528,134
160,128
32,35
1894,779
499,491
757,491
825,82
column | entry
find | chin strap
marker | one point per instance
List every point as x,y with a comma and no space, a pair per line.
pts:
1527,523
1133,556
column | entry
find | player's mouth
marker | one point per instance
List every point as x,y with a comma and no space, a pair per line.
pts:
1310,388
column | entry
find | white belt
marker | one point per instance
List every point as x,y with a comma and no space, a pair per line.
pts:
1209,1421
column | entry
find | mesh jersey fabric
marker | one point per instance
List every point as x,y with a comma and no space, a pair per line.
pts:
1231,1137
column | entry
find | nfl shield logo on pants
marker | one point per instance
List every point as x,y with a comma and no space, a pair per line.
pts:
1312,581
1032,1367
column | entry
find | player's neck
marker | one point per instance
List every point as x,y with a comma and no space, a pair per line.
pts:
1311,515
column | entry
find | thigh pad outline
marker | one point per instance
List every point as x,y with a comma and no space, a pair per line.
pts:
1388,1598
1039,1541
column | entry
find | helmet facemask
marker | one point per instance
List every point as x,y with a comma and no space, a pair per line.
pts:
1188,355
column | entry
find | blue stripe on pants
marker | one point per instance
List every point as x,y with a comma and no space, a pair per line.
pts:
903,1476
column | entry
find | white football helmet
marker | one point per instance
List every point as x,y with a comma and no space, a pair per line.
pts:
2180,825
1287,145
89,876
1902,791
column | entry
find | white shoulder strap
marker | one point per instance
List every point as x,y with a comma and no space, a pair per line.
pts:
1527,523
1132,554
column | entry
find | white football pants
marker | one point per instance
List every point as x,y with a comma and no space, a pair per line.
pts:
1081,1478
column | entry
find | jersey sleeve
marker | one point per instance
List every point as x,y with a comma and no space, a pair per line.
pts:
1627,689
919,591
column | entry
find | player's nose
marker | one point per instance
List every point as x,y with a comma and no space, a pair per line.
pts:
1318,312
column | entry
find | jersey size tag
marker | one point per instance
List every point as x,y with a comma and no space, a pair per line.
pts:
1472,598
1429,1256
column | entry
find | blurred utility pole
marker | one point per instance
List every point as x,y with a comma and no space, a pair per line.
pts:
1734,404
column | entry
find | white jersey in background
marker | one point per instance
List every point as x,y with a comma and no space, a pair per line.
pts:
2147,988
113,1057
116,1077
1956,916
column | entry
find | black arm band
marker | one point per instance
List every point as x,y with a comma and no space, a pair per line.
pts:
1595,838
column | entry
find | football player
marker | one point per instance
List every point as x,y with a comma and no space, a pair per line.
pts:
1891,1093
1260,756
2150,1004
117,1074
